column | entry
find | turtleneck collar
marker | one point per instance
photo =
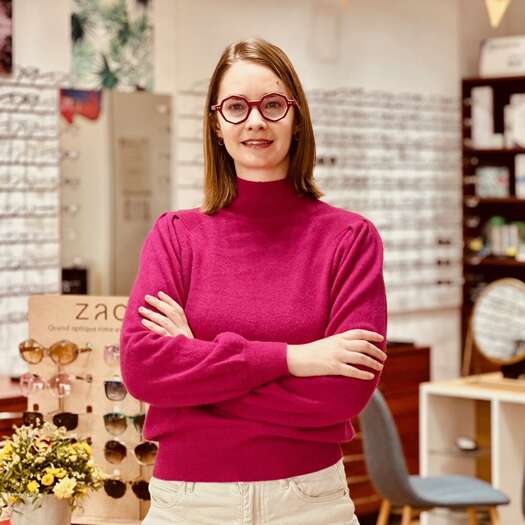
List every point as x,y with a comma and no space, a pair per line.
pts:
265,199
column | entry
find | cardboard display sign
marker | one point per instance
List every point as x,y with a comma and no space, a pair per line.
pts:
94,321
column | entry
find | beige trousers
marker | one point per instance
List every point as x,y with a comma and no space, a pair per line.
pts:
316,498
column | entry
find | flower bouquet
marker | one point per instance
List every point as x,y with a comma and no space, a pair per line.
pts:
45,470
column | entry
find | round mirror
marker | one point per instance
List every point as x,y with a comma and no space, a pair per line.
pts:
497,325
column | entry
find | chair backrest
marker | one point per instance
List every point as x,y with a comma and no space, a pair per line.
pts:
384,456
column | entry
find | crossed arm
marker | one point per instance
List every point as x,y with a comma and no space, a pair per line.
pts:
358,301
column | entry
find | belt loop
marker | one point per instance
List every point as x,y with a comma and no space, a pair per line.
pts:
284,483
189,486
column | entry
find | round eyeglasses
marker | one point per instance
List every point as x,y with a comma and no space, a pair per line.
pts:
236,109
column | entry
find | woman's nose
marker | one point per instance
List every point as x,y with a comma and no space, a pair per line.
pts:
255,119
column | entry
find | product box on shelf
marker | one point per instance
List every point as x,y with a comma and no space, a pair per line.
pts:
106,411
492,181
519,172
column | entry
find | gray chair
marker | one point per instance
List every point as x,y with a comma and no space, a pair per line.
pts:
388,472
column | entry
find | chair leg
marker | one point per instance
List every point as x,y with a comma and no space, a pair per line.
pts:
472,516
406,518
384,513
494,516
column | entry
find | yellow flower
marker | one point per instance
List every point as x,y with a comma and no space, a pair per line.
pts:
47,479
86,446
64,488
6,451
32,486
57,472
12,499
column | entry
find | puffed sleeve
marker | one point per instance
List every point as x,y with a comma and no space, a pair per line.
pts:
180,371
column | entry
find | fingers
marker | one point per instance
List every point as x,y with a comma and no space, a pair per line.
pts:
358,358
366,348
171,309
159,320
352,371
165,298
359,333
154,327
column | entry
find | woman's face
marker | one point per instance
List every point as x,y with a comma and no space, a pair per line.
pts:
253,81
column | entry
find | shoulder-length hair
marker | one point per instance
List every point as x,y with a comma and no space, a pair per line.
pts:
219,168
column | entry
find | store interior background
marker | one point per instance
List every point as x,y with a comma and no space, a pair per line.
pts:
406,46
403,46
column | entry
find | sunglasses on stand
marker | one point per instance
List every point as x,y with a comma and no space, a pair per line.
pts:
68,420
116,488
116,423
115,389
145,452
60,385
62,353
112,355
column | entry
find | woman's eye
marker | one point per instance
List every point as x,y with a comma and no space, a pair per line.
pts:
235,107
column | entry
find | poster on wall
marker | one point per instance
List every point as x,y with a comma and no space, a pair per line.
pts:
6,37
112,44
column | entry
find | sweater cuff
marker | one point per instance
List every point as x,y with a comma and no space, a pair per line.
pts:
266,361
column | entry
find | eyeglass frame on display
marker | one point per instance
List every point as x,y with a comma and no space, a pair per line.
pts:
88,378
38,418
136,454
125,483
124,417
46,351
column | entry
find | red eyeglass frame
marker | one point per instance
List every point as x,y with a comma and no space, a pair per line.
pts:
252,104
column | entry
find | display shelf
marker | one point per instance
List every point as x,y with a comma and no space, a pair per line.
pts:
488,408
493,261
492,151
480,271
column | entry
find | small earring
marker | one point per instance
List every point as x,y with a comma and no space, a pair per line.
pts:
296,136
220,141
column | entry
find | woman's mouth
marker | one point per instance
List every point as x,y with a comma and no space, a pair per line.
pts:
257,144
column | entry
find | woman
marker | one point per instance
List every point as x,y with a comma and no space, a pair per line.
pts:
255,328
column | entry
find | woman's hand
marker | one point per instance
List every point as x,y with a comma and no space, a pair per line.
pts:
336,354
170,321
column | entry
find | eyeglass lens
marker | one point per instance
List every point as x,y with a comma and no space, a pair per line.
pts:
115,389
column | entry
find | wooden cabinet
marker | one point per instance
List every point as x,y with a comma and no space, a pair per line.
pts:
12,402
407,366
481,268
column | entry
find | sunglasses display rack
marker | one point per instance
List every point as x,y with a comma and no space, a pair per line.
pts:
92,389
30,202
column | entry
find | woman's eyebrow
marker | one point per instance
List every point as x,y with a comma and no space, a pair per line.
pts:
279,92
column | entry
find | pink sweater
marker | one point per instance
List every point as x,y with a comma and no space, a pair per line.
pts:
271,268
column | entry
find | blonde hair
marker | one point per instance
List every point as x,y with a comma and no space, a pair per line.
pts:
219,169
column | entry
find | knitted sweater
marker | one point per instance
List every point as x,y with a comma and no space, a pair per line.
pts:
272,268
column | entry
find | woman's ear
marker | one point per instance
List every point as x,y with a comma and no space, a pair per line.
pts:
217,128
